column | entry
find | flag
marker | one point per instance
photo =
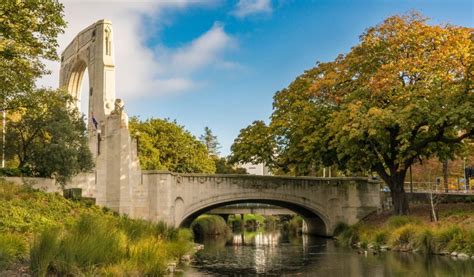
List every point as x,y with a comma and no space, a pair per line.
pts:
94,121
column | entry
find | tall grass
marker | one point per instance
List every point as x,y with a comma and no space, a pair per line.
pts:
12,248
90,242
108,246
44,251
407,233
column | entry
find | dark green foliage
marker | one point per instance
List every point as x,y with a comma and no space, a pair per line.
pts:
255,144
223,166
165,145
49,138
209,225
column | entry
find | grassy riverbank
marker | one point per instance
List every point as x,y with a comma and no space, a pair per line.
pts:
454,232
44,233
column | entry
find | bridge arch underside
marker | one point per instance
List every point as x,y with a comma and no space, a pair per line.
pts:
317,223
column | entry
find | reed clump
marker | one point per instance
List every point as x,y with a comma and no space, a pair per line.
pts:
404,233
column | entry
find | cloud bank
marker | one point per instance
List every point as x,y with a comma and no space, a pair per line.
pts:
250,7
142,71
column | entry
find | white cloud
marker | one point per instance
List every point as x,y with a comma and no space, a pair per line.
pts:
203,51
140,70
250,7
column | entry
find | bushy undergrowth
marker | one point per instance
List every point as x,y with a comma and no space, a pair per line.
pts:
209,225
69,238
406,233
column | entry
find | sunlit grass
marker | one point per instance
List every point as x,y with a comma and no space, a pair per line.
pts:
408,233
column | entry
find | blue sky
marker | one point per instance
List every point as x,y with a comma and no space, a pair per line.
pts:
218,63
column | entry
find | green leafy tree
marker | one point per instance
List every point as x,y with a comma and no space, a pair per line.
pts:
403,94
49,138
210,140
165,145
28,36
255,144
223,166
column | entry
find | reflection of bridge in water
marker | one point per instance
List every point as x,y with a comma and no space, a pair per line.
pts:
251,208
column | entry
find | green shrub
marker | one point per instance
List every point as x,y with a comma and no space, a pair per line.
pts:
44,251
12,248
209,225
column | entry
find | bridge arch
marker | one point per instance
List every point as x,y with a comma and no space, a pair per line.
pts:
316,218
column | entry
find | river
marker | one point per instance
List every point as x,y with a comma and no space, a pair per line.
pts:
276,254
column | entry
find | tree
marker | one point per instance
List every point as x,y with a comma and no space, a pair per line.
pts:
165,145
210,140
403,94
255,144
28,36
49,138
224,167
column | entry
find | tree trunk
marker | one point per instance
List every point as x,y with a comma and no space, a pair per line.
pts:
400,201
445,174
395,181
397,191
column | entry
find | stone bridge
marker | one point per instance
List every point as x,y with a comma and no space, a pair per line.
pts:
323,202
117,181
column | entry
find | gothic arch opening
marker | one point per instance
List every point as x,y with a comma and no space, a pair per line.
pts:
79,87
315,222
74,83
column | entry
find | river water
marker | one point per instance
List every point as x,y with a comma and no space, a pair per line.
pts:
277,254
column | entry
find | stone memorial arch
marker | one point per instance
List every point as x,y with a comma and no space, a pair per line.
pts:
114,152
91,50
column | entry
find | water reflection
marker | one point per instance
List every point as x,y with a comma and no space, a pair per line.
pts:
276,254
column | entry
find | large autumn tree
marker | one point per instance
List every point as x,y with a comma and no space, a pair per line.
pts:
403,94
165,145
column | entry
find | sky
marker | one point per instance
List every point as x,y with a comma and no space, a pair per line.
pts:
218,63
